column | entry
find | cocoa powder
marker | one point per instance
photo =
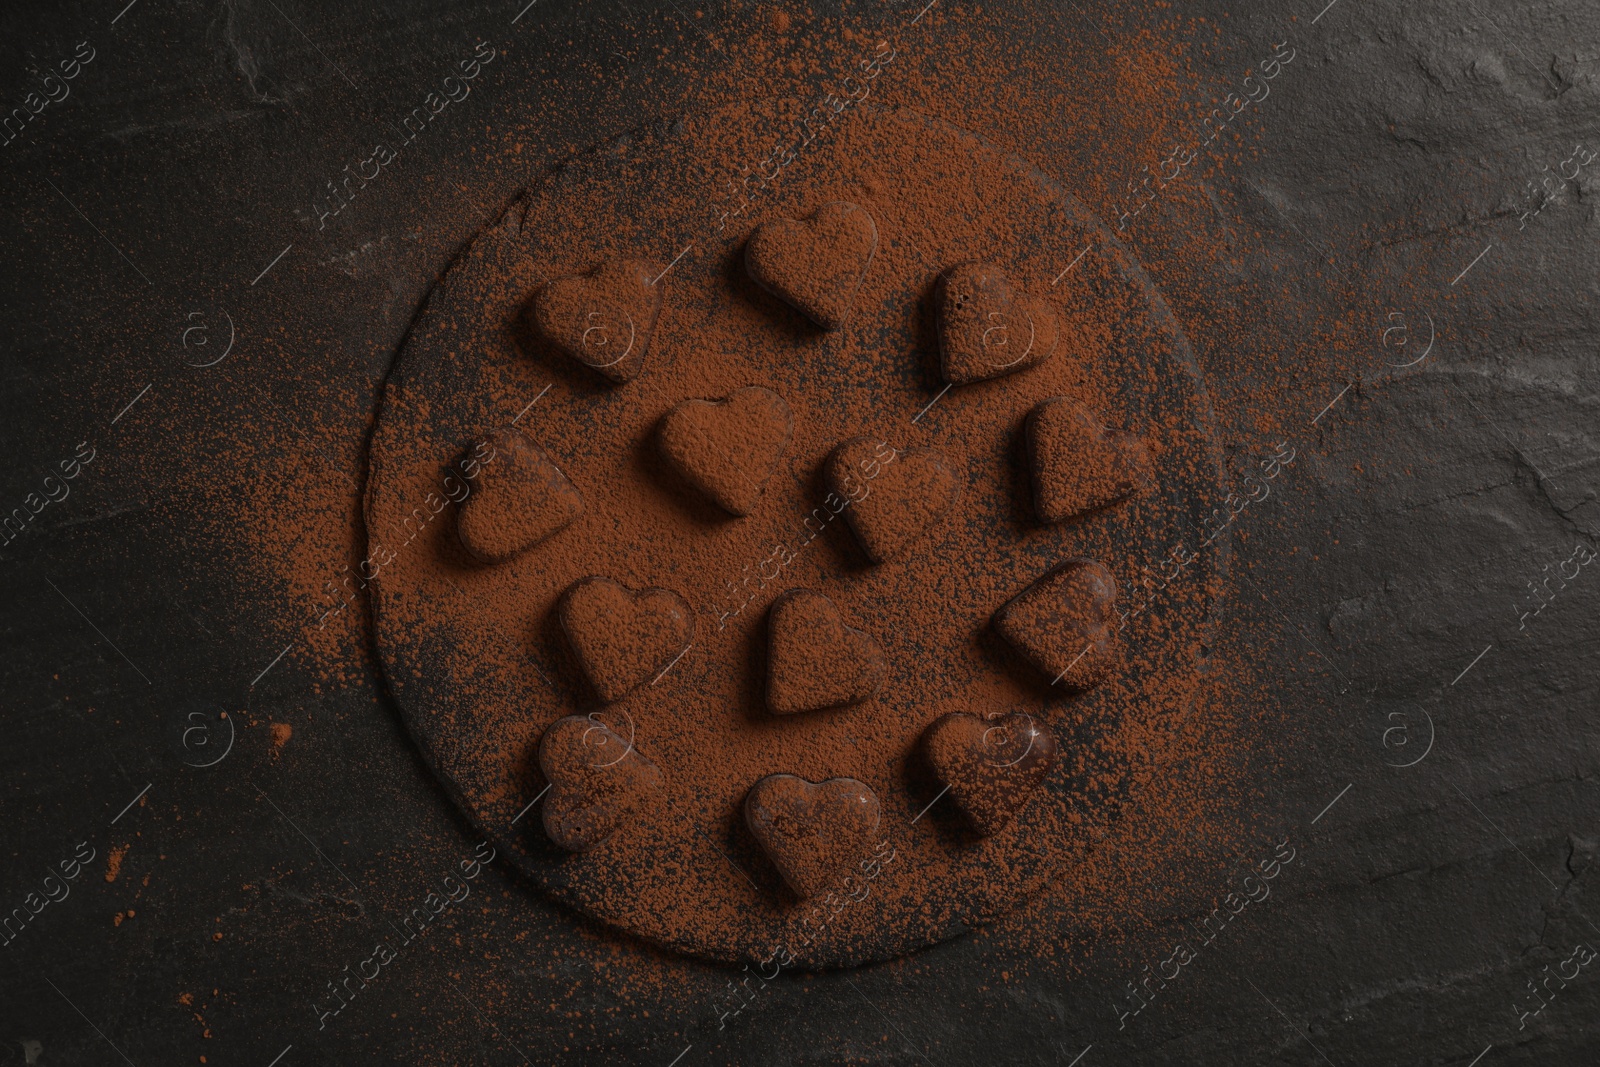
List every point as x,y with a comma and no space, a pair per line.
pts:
1181,758
938,534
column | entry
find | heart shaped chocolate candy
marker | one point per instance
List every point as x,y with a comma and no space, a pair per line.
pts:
815,265
909,496
728,448
814,659
623,638
1064,624
597,779
991,765
814,832
521,498
985,329
602,319
1078,465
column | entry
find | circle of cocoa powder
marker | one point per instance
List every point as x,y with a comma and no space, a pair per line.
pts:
472,653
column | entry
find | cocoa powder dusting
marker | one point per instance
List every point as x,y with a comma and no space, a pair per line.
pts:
568,296
650,611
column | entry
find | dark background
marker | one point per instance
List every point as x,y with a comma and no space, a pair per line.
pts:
1421,903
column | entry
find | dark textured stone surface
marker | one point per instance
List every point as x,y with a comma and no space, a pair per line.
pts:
1423,901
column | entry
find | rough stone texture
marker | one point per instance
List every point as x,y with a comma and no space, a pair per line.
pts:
1421,902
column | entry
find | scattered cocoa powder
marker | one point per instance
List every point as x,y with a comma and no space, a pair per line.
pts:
1090,123
937,533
